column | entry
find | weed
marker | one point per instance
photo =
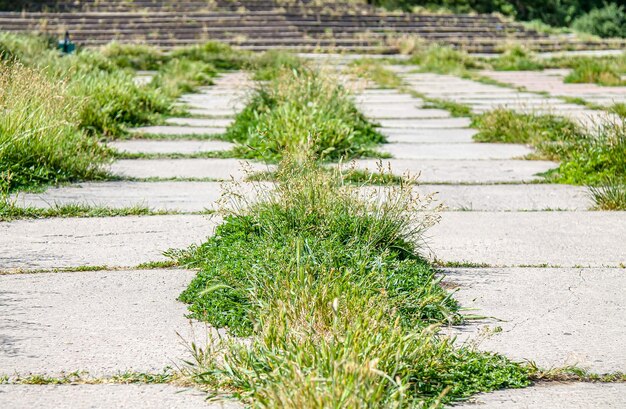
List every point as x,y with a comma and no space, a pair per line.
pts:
516,58
180,76
443,60
297,108
40,142
595,71
219,55
375,71
609,195
271,63
619,109
339,305
134,56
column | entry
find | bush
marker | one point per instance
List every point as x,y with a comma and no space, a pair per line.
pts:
40,142
608,21
221,56
298,108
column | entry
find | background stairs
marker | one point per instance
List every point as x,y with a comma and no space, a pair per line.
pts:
265,24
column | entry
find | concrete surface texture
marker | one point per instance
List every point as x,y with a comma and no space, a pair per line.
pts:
101,322
110,241
106,397
555,317
555,396
110,321
200,196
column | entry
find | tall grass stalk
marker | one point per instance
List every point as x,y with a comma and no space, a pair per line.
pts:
40,141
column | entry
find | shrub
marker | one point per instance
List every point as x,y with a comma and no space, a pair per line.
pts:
297,108
608,21
39,140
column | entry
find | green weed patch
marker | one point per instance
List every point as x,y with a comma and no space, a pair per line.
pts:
595,157
299,108
340,308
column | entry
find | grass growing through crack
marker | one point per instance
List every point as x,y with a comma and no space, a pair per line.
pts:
299,107
596,71
375,71
340,309
594,157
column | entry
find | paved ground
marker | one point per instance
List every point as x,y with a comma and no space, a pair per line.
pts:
122,320
551,81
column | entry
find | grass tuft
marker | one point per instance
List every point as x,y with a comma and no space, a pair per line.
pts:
595,71
340,308
299,108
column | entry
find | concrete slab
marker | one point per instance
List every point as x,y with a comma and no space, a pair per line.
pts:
180,196
198,196
553,395
202,122
426,123
565,239
179,130
178,146
405,111
531,197
216,169
106,397
446,151
450,135
554,317
102,322
111,241
463,171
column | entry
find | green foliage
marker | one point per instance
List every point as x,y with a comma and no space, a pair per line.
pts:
443,60
619,108
298,108
339,307
180,76
221,56
608,21
516,58
269,65
587,156
40,141
610,195
375,71
508,126
600,72
135,56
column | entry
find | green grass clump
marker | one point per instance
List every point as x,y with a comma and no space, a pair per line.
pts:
298,108
443,60
221,56
134,56
375,71
619,109
271,63
595,71
180,76
516,58
340,309
587,156
610,195
508,126
40,142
